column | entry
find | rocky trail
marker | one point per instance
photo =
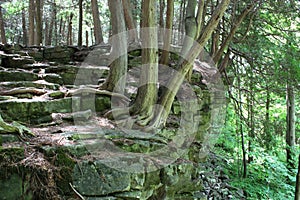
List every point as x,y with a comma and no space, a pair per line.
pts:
76,153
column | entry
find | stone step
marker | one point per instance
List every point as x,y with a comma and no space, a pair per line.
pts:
17,75
79,75
39,110
41,84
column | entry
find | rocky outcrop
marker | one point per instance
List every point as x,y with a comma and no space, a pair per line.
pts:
76,152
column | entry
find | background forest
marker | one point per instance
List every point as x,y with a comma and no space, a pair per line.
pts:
255,47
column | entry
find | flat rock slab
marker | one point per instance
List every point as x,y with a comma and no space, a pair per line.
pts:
17,76
41,84
79,75
34,110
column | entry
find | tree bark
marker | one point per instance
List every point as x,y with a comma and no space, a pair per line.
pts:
52,24
168,33
162,6
133,35
118,68
2,28
70,35
80,24
190,31
297,191
232,32
39,34
147,91
174,83
31,11
25,40
290,129
97,23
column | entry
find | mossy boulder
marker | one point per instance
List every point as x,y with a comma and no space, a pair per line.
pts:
17,76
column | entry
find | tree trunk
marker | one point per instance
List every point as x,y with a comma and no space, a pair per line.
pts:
251,115
180,22
118,68
297,191
2,29
190,31
133,35
39,34
52,24
174,83
97,23
87,38
24,28
267,131
290,129
31,11
80,24
232,32
240,122
162,6
46,31
168,33
70,35
147,91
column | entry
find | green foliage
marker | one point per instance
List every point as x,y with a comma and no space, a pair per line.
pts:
268,176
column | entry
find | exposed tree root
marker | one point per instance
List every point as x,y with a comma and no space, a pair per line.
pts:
87,90
14,128
17,91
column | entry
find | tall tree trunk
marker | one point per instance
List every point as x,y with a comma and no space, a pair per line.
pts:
52,24
190,31
180,22
54,18
147,91
118,68
46,31
87,38
24,27
39,34
267,132
240,124
251,115
168,33
290,129
297,190
97,23
175,82
232,32
80,24
162,6
133,35
31,11
70,35
2,29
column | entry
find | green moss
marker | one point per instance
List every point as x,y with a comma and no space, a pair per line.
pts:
13,154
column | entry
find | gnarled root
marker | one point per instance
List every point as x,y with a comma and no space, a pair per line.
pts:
14,128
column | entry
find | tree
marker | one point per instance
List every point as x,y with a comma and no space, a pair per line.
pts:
118,68
31,11
132,34
174,83
38,17
97,23
168,33
297,191
70,34
290,129
80,23
25,39
2,29
147,91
